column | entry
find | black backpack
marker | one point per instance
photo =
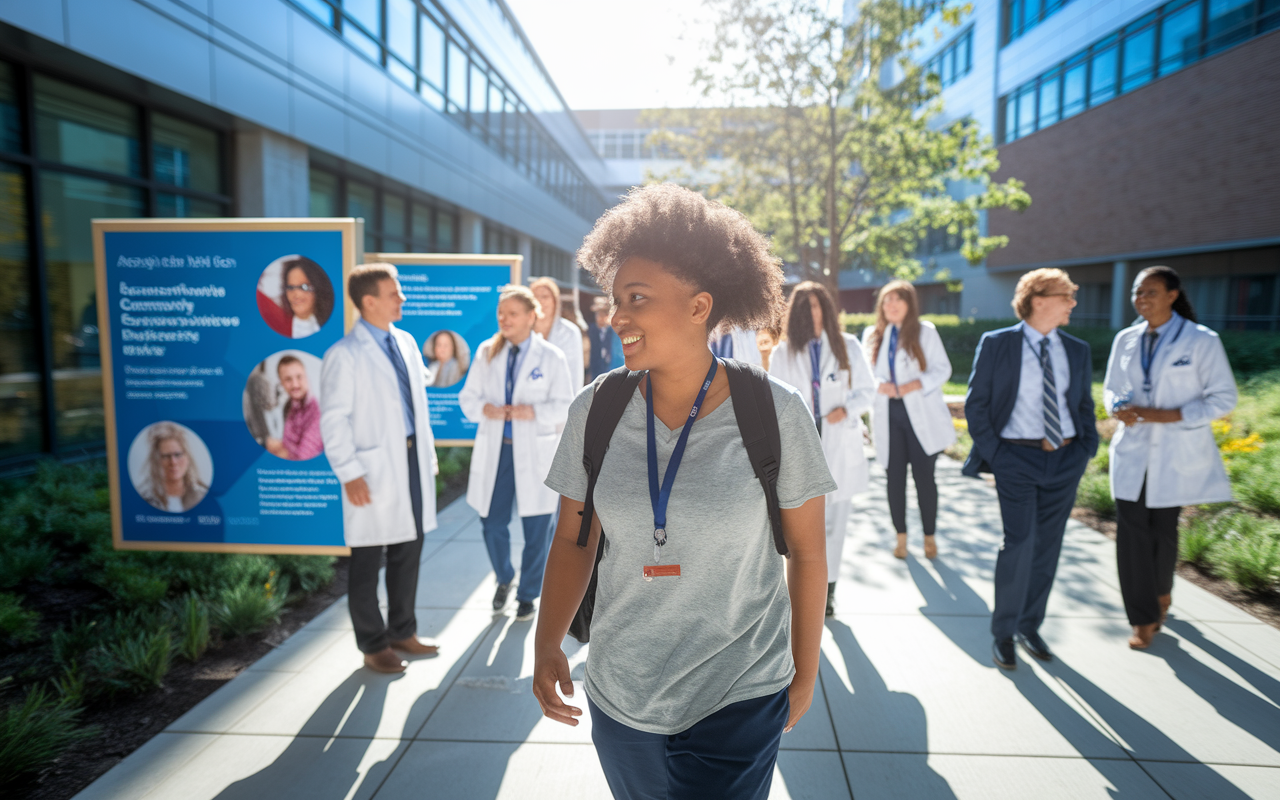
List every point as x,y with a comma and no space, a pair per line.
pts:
757,422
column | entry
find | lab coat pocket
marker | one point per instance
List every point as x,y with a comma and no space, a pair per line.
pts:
376,468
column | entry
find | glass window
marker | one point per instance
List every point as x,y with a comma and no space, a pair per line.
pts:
185,155
400,29
393,215
1049,86
1027,111
495,113
84,129
1010,118
360,203
318,9
10,116
1102,82
445,242
401,72
1270,19
457,75
177,205
68,204
946,68
431,66
511,139
965,59
1180,38
324,194
1073,90
366,12
420,227
1230,21
20,385
362,42
1139,58
478,90
1015,18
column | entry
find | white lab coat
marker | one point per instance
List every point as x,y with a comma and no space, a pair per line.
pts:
362,425
842,441
745,348
568,338
1179,460
926,408
542,382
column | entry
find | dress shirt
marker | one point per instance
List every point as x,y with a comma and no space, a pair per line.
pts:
1027,419
301,437
382,337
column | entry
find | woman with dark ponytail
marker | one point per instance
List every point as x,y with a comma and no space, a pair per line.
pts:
1167,379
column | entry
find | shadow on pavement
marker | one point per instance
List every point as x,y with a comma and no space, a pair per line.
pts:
1260,680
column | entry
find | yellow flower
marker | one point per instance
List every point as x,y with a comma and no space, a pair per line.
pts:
960,424
1248,444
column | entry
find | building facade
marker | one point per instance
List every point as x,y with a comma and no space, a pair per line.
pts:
433,120
1145,134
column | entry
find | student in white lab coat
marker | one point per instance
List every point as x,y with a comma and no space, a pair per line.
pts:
377,437
827,366
559,331
1167,380
518,391
910,422
736,343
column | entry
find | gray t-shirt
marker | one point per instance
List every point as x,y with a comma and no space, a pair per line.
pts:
668,653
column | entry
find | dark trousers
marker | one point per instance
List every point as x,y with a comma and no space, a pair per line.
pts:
904,448
497,534
372,633
1146,555
729,754
1037,490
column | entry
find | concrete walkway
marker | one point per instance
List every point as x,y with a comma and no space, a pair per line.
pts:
909,704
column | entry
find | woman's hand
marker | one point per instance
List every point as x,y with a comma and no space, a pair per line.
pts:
800,696
888,388
551,669
837,415
521,412
908,388
495,412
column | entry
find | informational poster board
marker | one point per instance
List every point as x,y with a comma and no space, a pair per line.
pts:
451,308
212,334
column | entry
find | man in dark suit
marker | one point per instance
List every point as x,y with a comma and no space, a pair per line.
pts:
1030,413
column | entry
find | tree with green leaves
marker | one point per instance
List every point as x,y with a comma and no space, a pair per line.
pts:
825,132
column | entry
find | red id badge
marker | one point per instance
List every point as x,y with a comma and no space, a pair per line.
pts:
662,571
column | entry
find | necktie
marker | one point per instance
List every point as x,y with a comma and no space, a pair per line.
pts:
511,384
893,354
402,375
1052,426
1151,345
725,349
815,365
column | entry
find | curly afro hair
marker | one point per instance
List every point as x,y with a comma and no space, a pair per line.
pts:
703,243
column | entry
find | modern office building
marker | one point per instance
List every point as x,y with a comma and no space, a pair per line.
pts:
1145,132
434,120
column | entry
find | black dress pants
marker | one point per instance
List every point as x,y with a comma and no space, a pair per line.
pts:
372,633
904,448
1146,555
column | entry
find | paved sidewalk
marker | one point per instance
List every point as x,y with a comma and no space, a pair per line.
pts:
909,704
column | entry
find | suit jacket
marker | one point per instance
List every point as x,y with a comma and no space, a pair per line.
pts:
993,390
599,363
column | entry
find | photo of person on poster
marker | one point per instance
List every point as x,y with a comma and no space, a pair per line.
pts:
448,357
170,466
295,296
282,392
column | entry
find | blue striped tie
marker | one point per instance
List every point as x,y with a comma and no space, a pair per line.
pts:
1052,425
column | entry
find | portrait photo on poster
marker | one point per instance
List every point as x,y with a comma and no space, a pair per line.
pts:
281,403
295,296
170,466
448,356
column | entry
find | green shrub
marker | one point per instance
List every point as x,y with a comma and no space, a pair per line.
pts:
248,608
16,622
1197,539
131,585
1255,478
23,562
144,659
71,684
34,732
192,616
1094,493
1247,552
308,573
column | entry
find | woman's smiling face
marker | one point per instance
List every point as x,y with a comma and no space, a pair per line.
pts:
659,318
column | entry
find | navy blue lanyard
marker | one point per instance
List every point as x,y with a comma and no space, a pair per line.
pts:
1149,359
893,355
659,496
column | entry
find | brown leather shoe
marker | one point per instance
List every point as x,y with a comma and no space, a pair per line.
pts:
930,547
1142,636
900,551
415,647
1165,601
384,661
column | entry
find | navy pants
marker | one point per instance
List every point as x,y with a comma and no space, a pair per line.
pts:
497,534
1037,490
729,754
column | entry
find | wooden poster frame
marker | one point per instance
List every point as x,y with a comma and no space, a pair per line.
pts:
352,254
449,260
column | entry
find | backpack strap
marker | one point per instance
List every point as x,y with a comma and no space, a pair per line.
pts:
607,406
758,423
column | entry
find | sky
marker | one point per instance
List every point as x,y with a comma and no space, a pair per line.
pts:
618,53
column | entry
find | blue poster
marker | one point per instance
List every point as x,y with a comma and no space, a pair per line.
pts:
451,309
216,339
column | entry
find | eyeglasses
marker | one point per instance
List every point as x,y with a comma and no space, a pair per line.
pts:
299,287
172,456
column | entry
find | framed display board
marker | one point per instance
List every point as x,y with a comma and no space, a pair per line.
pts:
212,333
451,308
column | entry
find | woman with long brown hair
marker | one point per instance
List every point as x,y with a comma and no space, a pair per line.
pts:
827,366
910,422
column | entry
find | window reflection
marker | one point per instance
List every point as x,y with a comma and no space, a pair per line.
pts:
1179,38
10,118
20,384
185,155
84,129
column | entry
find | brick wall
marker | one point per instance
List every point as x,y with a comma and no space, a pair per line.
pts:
1190,159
